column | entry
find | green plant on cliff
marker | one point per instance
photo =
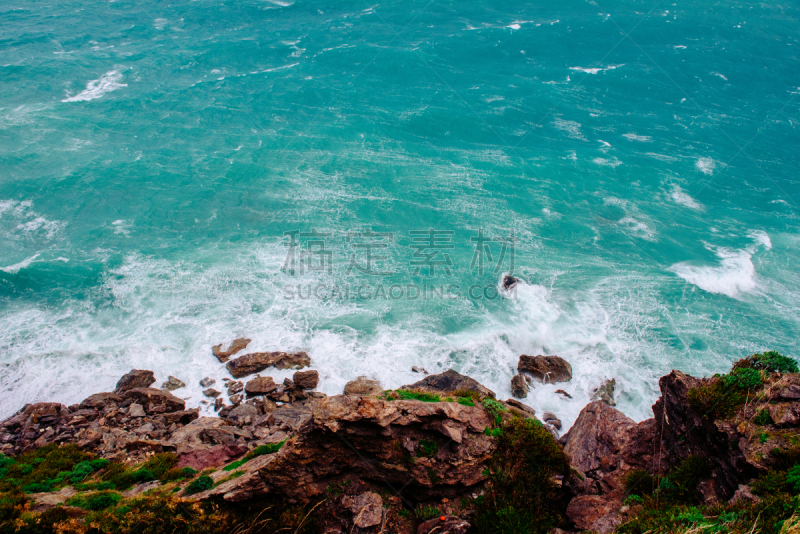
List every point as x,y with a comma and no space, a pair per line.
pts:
770,361
721,396
522,496
494,409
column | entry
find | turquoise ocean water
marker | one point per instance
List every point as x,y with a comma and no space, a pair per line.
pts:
175,175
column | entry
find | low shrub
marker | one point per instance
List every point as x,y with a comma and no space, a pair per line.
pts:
178,473
199,484
158,464
770,361
427,448
495,410
522,494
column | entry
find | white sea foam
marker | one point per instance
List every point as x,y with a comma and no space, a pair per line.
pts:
596,70
572,128
634,137
681,197
607,162
705,165
734,275
97,88
173,313
762,238
11,269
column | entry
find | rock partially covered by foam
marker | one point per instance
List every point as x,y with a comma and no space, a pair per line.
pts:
258,361
548,369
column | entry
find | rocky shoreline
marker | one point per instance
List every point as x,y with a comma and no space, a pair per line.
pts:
375,460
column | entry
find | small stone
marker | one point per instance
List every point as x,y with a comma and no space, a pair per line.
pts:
509,281
236,400
210,392
206,382
136,410
416,369
145,428
172,384
562,392
288,383
235,387
218,404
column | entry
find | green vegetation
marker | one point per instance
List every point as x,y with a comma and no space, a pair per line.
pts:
235,474
261,450
427,448
95,502
763,418
412,394
466,401
494,409
771,361
426,512
722,395
521,496
199,484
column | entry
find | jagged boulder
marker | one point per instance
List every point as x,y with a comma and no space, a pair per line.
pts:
137,378
261,385
605,392
548,369
306,379
154,400
519,386
449,382
347,434
224,355
258,361
363,386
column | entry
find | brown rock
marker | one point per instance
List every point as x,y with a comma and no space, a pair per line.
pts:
258,361
135,379
564,393
223,355
244,413
743,494
598,513
215,456
548,369
211,393
605,392
136,410
363,386
99,400
523,410
367,509
519,386
450,382
154,400
261,385
218,404
172,384
306,379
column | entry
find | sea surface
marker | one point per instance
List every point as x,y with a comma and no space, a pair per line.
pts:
353,179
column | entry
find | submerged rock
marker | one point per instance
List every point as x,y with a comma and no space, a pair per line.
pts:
509,281
564,393
206,382
258,361
548,369
605,393
224,355
416,369
172,384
